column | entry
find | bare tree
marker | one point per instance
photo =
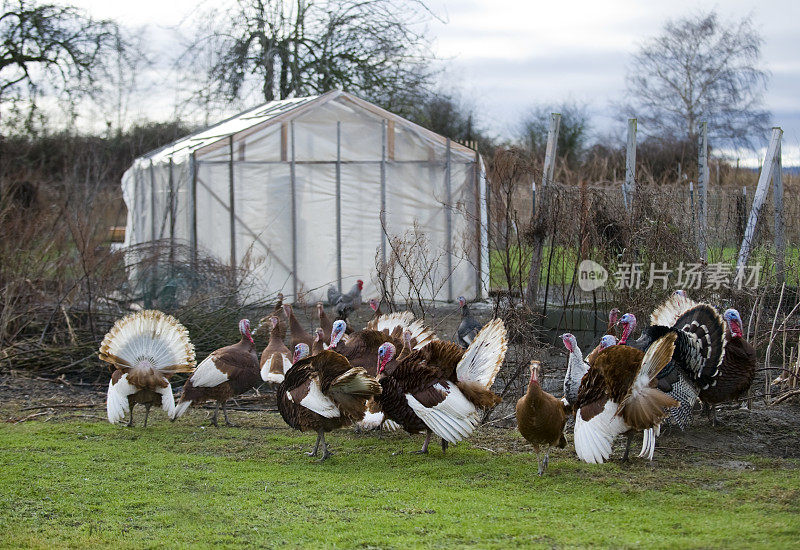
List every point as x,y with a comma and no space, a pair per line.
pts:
50,48
286,48
697,69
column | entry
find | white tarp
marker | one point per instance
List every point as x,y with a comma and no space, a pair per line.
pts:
158,190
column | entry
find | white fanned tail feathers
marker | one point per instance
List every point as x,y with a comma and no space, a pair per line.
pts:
150,338
484,356
405,320
667,313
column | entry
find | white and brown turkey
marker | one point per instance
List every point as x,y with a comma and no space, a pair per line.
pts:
323,392
225,373
276,358
145,348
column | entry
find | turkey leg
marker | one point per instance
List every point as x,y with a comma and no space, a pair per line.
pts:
225,414
544,462
130,422
146,413
316,445
627,446
424,449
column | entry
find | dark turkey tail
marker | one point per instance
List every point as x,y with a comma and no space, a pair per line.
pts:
479,395
700,346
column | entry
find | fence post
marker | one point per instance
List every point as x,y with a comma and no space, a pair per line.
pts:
552,146
702,191
777,195
629,186
532,291
758,199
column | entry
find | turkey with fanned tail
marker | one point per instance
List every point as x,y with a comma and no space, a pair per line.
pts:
146,348
699,350
441,388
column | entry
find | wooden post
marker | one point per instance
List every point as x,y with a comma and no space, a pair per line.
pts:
532,291
702,191
777,196
629,186
552,149
758,199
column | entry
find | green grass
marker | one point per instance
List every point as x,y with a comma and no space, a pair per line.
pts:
77,484
564,259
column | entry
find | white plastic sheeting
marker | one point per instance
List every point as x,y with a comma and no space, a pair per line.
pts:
288,149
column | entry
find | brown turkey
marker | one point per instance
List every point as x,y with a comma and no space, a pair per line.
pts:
737,370
324,322
618,395
322,393
146,348
276,312
440,388
225,373
297,333
541,418
276,357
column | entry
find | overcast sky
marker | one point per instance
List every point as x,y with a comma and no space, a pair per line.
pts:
506,56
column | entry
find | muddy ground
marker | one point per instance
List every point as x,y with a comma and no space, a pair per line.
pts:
761,431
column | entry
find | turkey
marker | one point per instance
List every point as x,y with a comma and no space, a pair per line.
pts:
361,347
276,311
699,350
225,373
576,368
469,327
319,342
375,306
324,322
440,388
348,303
324,392
541,418
276,357
737,370
618,395
297,333
613,317
146,348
